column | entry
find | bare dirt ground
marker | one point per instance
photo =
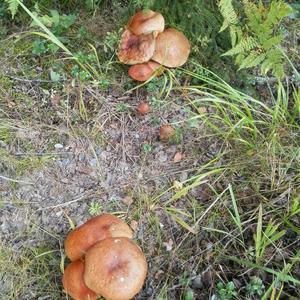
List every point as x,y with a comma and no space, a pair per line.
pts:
113,162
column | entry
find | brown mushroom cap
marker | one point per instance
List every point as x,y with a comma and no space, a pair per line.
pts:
146,21
135,49
142,72
172,48
117,267
94,230
166,132
73,282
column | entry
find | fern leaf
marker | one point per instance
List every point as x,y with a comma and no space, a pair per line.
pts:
235,34
272,42
228,13
13,6
244,45
252,60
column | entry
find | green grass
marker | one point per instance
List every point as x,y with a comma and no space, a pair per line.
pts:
28,272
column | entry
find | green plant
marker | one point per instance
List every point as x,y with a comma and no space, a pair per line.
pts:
255,36
224,291
95,208
255,287
122,107
13,6
264,238
185,282
111,41
147,147
58,24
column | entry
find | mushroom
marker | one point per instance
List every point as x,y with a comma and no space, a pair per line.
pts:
166,132
143,108
142,72
172,48
94,230
136,49
146,21
116,268
73,282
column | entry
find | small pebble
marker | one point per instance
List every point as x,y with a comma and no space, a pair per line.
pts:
81,157
197,282
98,151
58,146
93,162
64,162
149,291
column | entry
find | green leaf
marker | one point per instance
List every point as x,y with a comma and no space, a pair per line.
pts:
13,6
55,17
54,76
252,60
189,294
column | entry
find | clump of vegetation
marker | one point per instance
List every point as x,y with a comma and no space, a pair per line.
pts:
255,34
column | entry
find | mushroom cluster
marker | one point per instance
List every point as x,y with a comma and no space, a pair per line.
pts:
104,261
147,46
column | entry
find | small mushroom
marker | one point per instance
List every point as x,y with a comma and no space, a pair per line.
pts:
166,132
135,49
142,72
116,268
143,108
94,230
146,21
172,48
73,282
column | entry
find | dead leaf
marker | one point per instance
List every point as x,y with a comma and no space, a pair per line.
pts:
55,99
114,125
134,225
178,157
84,170
168,245
127,200
158,273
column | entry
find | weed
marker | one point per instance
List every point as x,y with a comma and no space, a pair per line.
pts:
122,107
225,291
264,238
255,287
147,147
59,24
95,208
111,41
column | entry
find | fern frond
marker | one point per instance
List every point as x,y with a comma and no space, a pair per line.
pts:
228,13
274,61
252,60
13,6
235,34
245,45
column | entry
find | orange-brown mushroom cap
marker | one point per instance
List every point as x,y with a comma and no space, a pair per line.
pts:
73,282
146,21
116,268
142,72
166,132
135,49
172,48
94,230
